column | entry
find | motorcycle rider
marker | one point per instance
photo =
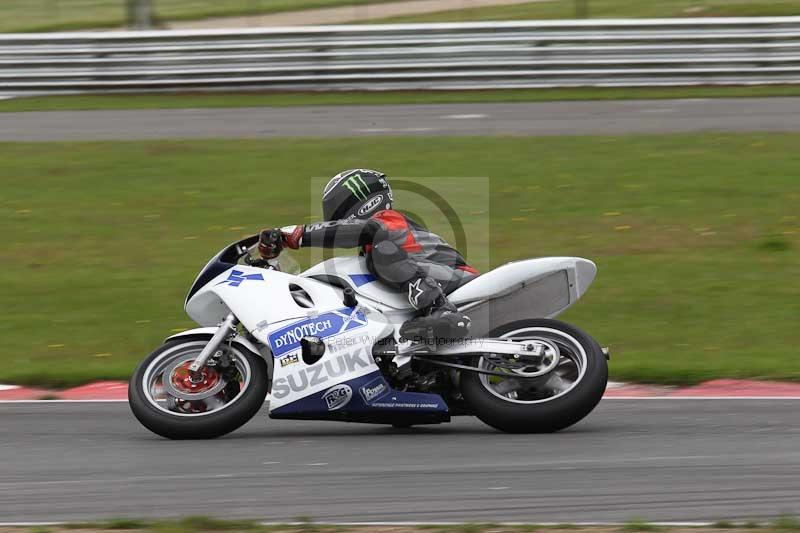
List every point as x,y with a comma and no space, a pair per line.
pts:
357,208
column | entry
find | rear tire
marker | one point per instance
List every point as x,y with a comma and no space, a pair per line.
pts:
544,415
174,425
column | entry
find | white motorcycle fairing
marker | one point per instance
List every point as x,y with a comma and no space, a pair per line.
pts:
532,288
345,383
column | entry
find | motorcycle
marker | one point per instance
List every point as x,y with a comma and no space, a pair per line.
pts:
324,344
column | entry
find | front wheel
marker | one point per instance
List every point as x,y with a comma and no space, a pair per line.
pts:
542,404
168,402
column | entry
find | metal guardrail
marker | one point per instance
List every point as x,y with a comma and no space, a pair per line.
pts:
409,56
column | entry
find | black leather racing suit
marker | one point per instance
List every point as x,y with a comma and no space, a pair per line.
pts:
399,252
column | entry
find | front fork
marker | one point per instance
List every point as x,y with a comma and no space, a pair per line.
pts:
226,329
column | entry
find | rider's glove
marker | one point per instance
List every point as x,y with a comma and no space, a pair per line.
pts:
270,243
293,236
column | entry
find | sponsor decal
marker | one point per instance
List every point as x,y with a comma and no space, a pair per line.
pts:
406,405
334,223
374,202
325,325
357,186
320,373
288,339
237,277
338,396
374,390
414,292
290,359
388,192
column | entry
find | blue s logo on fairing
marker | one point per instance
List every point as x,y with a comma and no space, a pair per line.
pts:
237,277
325,325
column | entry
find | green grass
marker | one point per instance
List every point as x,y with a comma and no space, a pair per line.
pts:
182,525
565,9
697,238
113,524
200,523
256,99
786,523
50,15
640,526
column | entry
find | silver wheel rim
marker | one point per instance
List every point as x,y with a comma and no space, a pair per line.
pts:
566,375
173,401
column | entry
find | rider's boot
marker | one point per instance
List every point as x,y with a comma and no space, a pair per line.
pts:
441,322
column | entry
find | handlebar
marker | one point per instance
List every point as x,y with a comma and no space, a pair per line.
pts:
247,251
251,254
270,243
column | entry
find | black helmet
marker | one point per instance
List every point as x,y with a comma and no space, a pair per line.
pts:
356,193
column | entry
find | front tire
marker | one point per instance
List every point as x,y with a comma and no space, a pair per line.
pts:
547,404
219,404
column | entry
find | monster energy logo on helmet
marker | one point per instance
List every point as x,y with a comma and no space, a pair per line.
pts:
355,193
357,186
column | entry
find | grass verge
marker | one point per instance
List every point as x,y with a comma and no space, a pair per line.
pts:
200,523
566,9
52,15
696,238
60,15
277,99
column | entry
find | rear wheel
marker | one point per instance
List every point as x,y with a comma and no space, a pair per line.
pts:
169,402
551,402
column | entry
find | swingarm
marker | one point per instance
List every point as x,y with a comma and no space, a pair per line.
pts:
527,359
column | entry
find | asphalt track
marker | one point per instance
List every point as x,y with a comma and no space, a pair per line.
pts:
544,118
651,459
